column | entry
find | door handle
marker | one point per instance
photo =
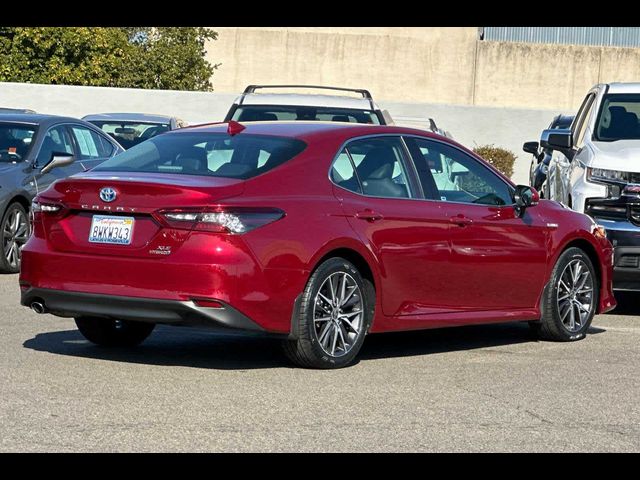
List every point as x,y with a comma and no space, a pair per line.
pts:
460,220
369,215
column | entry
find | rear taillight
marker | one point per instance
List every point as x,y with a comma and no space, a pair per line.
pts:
224,220
42,207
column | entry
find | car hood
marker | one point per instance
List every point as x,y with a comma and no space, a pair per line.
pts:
623,155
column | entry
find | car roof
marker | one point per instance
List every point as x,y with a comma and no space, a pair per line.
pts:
129,117
306,130
624,87
35,118
306,100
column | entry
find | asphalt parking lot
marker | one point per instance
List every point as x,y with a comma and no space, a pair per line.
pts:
487,388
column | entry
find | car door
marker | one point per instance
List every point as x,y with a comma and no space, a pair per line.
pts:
564,163
498,260
382,200
92,148
57,139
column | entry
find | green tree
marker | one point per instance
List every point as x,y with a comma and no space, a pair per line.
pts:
170,58
136,57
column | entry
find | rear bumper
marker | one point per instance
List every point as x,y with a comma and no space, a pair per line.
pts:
145,287
171,312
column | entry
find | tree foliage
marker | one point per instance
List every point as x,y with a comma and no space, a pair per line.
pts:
170,58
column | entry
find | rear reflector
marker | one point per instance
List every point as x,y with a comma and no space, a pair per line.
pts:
207,303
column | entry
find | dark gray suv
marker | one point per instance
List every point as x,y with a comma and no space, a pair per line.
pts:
36,150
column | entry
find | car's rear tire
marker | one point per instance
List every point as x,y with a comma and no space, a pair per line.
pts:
113,333
14,233
570,300
334,316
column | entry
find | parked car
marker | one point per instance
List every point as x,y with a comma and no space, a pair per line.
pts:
252,106
130,129
30,146
316,232
595,170
15,110
541,157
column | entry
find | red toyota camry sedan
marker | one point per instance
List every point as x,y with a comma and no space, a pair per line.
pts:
319,233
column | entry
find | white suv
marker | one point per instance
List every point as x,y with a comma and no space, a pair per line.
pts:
595,169
345,105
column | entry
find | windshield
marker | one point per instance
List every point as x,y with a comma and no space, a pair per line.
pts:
129,134
618,118
210,154
262,113
15,141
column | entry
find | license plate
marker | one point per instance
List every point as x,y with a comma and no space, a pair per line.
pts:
109,229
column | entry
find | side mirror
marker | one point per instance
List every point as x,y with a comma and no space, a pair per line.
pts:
531,147
58,159
524,197
560,139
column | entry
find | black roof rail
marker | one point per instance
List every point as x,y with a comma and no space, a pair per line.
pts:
365,93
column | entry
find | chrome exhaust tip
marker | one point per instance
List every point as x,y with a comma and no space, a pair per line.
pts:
38,307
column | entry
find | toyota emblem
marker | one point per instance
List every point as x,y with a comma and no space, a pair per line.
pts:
108,194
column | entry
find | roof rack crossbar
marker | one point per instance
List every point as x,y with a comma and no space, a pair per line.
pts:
365,93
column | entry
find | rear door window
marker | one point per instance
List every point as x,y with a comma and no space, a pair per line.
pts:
380,166
90,144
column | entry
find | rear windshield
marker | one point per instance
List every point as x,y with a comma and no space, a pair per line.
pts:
265,113
16,141
209,154
129,134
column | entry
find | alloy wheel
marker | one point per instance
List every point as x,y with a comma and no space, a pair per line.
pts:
575,296
338,314
14,235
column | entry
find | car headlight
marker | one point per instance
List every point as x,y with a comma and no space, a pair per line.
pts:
602,174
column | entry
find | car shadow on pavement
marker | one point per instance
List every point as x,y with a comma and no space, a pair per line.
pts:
471,337
199,348
172,346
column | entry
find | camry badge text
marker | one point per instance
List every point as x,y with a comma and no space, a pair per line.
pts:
108,208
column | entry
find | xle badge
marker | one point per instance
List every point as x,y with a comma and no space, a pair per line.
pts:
161,250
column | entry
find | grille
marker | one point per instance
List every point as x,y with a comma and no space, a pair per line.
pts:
608,211
628,261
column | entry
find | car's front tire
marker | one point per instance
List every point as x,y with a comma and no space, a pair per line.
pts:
570,300
14,232
335,313
113,333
